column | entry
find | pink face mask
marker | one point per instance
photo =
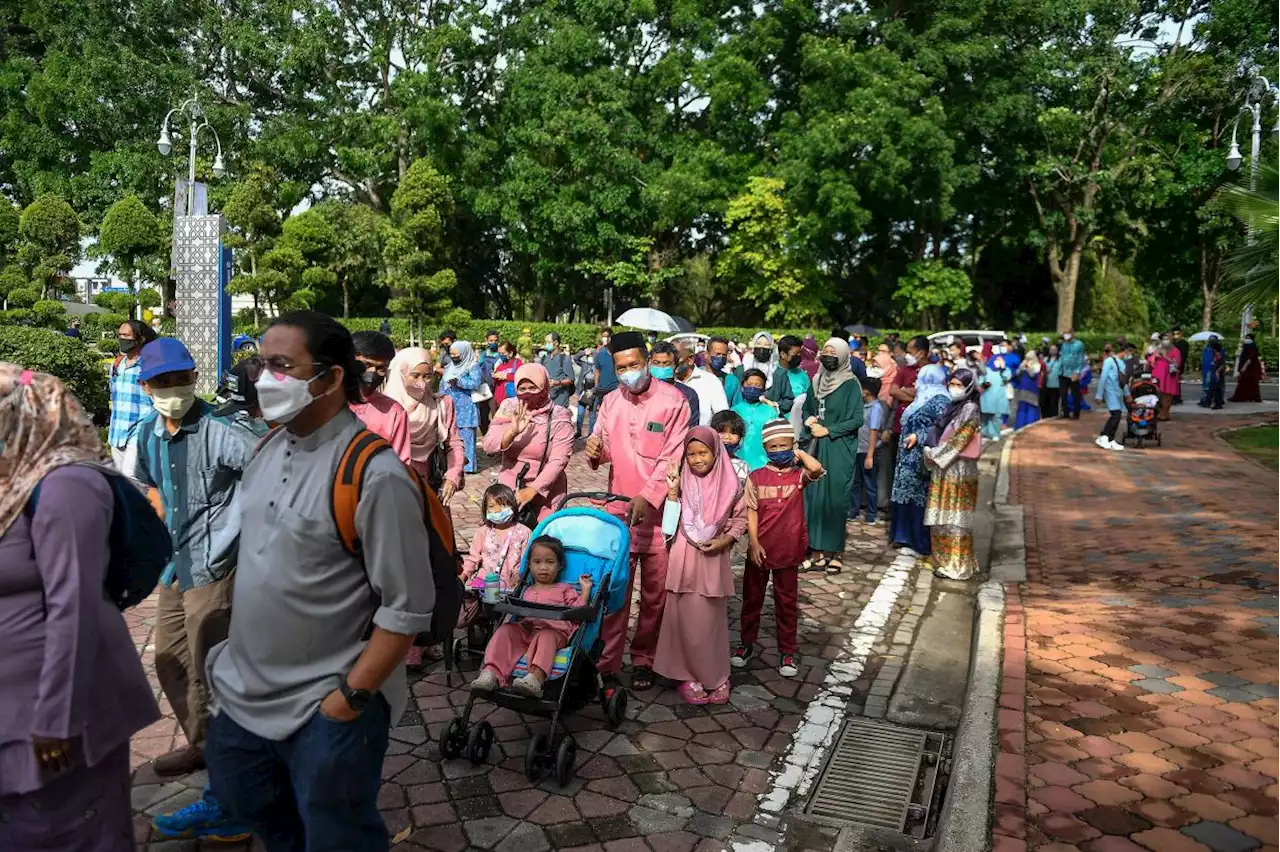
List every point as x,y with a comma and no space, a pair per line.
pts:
416,388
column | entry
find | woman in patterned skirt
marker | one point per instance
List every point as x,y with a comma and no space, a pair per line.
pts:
951,455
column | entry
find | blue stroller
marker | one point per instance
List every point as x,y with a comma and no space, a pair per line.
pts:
595,543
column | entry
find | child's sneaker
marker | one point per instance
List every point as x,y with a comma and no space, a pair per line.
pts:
528,686
789,667
741,656
487,681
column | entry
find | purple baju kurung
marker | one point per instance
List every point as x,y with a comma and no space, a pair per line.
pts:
70,671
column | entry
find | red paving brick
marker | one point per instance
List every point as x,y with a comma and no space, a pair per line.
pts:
1141,652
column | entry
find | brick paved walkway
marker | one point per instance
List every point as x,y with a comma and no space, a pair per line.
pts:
1139,705
674,777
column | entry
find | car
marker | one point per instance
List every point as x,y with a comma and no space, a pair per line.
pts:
244,343
973,339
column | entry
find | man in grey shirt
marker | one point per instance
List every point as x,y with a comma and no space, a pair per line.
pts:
312,676
559,370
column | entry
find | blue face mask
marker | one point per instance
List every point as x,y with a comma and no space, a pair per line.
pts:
635,380
493,347
662,374
718,361
751,394
782,458
502,516
731,449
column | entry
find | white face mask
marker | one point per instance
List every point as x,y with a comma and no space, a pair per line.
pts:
174,403
911,360
283,399
1066,337
957,393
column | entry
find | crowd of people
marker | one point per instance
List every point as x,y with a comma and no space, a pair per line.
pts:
292,604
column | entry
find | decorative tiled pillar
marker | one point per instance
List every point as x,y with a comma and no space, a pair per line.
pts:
204,308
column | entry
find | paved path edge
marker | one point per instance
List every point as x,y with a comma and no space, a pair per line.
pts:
964,825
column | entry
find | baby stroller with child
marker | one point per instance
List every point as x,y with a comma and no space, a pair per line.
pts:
1142,424
597,544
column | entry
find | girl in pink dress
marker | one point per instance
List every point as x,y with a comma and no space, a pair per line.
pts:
536,639
497,546
707,512
504,372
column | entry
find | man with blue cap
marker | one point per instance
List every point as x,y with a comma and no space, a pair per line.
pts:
190,460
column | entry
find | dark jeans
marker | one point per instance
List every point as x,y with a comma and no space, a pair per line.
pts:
1071,397
1109,428
316,791
863,479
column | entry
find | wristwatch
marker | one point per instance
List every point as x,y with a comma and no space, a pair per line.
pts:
357,699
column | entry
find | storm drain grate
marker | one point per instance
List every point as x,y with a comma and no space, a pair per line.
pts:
880,775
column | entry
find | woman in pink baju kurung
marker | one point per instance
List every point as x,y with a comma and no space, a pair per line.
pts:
433,426
1164,370
535,438
693,644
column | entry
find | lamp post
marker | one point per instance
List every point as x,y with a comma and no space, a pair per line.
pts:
195,115
1253,98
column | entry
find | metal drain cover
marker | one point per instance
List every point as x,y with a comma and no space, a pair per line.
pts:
880,775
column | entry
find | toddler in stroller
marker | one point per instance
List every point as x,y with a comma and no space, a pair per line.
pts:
1143,421
548,644
497,548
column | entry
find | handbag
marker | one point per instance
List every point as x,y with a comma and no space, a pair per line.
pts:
482,393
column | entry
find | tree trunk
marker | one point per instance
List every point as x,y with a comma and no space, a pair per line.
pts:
1209,280
1066,287
346,298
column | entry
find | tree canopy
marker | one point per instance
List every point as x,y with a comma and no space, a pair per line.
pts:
999,162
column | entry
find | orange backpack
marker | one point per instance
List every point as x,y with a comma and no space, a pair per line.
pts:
344,497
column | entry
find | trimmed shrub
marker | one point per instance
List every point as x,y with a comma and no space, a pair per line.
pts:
46,351
23,297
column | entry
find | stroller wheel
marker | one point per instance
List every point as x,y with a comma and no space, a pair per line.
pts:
565,757
615,707
479,741
453,738
537,757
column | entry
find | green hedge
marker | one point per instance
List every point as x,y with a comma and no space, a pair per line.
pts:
46,351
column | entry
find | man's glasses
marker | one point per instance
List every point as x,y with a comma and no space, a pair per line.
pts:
277,364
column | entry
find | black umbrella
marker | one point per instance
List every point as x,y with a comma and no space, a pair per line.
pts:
683,326
858,328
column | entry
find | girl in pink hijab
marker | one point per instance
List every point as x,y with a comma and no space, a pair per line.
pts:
535,439
706,513
433,426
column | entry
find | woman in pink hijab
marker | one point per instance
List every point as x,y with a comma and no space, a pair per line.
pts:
535,439
434,443
706,512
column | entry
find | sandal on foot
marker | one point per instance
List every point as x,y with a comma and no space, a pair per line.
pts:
641,679
719,695
693,693
834,566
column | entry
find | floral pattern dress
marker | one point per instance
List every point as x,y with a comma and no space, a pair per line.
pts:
953,497
910,478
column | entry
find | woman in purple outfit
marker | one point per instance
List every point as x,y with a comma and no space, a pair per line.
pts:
74,690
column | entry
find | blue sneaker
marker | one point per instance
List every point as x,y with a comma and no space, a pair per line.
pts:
204,818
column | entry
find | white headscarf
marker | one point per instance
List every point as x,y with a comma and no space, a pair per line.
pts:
762,339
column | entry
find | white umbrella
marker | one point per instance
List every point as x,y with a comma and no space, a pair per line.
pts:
1202,336
649,319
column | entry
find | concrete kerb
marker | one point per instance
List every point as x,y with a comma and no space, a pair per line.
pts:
964,825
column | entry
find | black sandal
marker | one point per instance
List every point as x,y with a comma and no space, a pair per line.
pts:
834,566
641,679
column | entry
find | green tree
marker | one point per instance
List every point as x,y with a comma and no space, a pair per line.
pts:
22,297
421,284
1251,270
932,292
762,259
252,211
50,245
129,235
10,220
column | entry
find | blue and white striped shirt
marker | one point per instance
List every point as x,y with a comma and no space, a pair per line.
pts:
129,402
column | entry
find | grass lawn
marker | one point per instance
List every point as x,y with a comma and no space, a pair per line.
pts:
1260,443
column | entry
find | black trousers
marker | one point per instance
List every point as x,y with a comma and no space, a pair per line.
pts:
1049,402
1071,391
1113,422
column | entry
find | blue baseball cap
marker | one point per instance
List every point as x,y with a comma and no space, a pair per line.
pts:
164,355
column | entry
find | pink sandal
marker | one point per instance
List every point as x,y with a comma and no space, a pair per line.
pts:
693,693
719,695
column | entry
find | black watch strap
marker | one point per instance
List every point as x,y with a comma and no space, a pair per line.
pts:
357,699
